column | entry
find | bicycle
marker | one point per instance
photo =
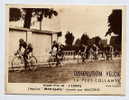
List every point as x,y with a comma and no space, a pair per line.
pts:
18,63
55,59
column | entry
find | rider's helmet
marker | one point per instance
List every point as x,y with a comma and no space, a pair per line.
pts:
29,45
54,42
21,40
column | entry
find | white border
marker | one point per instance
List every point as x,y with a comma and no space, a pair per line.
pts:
67,2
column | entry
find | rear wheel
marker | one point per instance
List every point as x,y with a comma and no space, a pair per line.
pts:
52,61
33,63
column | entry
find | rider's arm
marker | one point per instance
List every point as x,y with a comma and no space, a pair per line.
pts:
52,47
20,47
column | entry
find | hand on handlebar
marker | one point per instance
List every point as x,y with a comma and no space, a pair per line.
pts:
50,52
15,53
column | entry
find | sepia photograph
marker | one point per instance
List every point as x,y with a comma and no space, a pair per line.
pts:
63,49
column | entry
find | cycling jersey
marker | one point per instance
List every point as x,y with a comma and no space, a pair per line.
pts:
55,46
29,49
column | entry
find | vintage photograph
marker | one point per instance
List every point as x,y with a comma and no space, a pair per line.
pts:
65,49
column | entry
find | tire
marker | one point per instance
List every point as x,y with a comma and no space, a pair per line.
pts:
52,61
49,62
17,64
32,63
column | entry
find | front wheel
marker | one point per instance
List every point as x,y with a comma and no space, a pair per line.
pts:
33,63
17,64
52,61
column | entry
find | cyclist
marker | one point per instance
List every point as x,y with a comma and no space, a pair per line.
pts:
55,50
95,51
55,45
109,52
60,51
27,50
83,49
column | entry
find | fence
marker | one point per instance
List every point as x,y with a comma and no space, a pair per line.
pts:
69,57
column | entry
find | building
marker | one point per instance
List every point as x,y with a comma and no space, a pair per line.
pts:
41,41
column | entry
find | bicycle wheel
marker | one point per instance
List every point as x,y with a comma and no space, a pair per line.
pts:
50,61
32,63
17,64
59,61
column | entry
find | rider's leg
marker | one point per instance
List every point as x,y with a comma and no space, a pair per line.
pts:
57,60
83,57
25,60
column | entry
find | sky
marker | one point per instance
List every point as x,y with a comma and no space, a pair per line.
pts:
89,20
92,20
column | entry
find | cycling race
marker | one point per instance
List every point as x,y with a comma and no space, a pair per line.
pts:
59,44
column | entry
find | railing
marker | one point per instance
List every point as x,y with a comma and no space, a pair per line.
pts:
69,53
69,57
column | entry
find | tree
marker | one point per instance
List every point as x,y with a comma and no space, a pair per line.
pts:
30,12
85,39
45,12
77,42
14,14
115,22
96,40
69,38
115,26
28,16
